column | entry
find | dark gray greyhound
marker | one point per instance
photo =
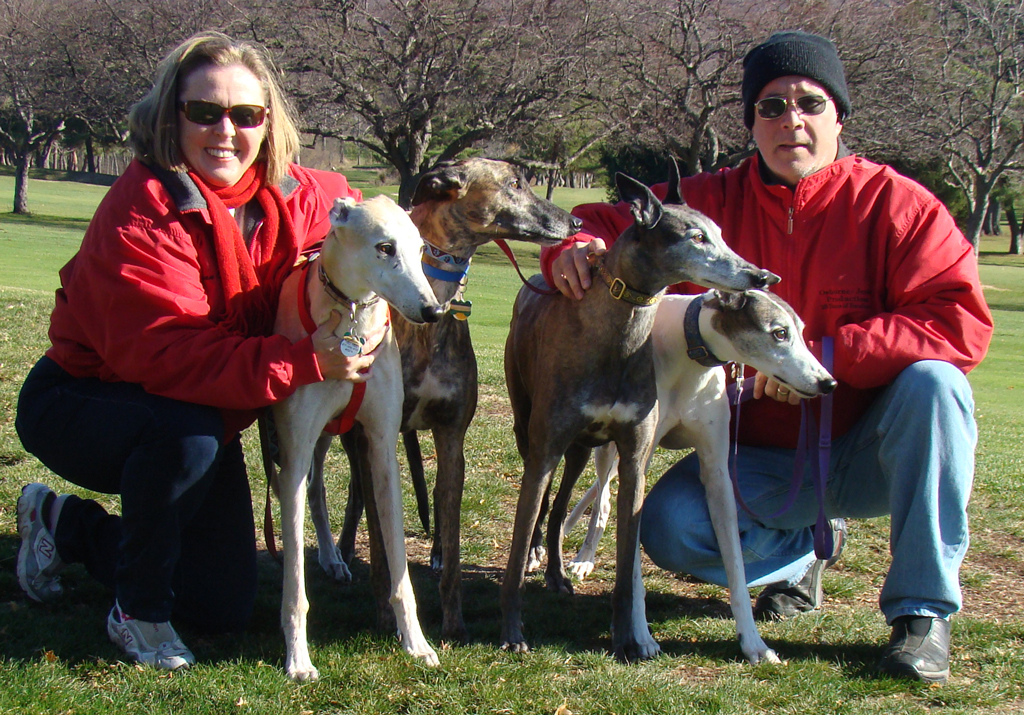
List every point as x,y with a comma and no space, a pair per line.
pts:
567,400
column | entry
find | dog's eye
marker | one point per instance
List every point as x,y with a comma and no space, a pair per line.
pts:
388,249
696,235
780,334
514,184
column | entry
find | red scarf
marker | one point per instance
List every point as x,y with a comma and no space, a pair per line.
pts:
251,278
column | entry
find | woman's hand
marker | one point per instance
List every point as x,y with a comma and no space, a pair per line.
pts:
571,270
334,365
764,385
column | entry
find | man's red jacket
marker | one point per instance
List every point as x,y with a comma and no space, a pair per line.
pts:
866,256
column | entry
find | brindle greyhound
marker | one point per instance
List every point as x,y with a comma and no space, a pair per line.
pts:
567,401
458,207
693,337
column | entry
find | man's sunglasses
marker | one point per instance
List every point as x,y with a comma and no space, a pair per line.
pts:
775,107
243,116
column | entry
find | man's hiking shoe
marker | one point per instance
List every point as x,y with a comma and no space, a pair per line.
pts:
779,601
918,649
155,644
38,561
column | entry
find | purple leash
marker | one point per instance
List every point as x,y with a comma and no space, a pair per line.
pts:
823,542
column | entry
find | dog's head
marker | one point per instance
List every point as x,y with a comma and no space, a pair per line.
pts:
374,248
759,329
464,204
670,242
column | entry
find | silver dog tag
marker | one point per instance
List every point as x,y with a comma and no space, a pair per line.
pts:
351,345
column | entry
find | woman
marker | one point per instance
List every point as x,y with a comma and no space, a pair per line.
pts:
162,352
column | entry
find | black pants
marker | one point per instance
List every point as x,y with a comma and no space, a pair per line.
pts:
184,545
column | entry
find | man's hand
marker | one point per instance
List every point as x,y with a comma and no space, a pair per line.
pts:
333,364
571,270
764,385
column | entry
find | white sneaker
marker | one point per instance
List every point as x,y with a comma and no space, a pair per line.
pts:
38,561
155,644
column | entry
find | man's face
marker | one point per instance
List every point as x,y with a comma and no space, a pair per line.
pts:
795,144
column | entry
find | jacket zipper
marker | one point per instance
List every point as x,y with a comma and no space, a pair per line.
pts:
789,222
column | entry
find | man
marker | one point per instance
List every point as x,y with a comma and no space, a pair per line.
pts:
875,265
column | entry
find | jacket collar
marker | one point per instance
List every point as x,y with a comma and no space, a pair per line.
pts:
186,195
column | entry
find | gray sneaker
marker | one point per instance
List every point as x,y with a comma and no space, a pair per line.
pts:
779,601
155,644
38,561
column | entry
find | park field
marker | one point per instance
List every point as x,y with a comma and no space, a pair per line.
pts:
57,659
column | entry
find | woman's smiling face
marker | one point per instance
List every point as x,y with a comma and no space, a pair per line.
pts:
220,153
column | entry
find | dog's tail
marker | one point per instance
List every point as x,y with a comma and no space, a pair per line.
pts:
419,480
271,459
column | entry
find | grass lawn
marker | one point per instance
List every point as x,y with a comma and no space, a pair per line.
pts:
57,659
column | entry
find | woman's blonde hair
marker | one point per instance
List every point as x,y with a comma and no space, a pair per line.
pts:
153,123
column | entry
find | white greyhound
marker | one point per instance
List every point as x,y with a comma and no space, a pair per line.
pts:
372,252
754,328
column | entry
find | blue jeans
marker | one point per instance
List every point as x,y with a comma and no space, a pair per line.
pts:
184,543
910,456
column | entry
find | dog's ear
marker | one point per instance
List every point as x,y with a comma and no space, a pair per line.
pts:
445,182
644,205
673,196
340,211
730,300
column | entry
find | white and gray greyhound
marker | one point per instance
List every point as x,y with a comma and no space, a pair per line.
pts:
372,253
694,336
580,374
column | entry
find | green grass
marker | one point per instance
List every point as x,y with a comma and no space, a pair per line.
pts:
56,659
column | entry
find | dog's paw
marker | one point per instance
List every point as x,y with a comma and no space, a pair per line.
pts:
303,672
535,558
516,647
757,651
581,569
331,562
636,651
425,654
559,583
437,564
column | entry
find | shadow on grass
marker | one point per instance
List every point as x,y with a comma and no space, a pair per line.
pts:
73,630
45,221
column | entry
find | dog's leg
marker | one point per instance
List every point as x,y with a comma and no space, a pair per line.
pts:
451,477
631,636
605,464
712,447
419,480
536,477
537,550
294,606
576,459
385,478
354,505
328,554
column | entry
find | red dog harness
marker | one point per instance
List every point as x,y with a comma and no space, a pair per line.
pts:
343,422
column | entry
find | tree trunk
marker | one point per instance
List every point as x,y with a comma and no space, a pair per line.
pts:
21,183
1011,217
90,155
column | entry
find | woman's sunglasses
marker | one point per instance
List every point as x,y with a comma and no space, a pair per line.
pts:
775,107
243,116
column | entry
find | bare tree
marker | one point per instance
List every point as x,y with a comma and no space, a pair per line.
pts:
427,79
972,105
31,89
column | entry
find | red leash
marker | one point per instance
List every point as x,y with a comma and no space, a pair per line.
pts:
511,257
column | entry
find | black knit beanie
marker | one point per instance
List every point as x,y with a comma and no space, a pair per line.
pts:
794,53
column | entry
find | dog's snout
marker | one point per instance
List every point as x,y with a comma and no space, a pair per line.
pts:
766,278
432,314
826,385
575,224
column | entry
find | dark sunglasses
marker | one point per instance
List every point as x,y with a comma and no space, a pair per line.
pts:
775,107
243,116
